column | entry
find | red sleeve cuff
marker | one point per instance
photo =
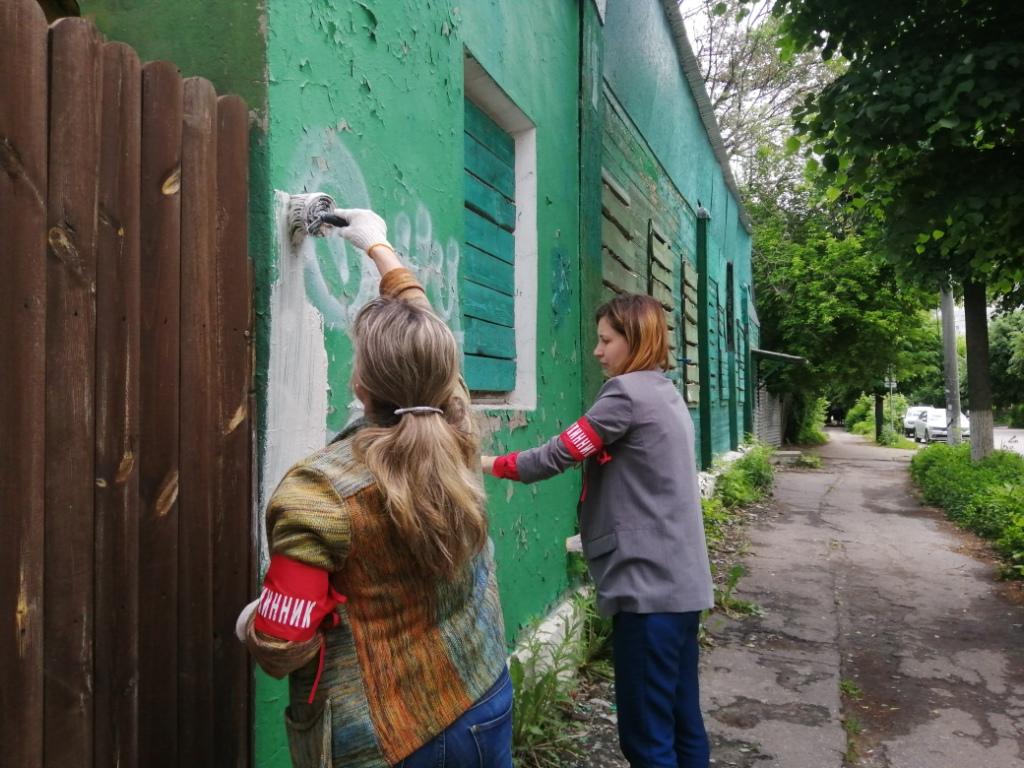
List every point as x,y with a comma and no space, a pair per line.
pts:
505,466
296,599
581,439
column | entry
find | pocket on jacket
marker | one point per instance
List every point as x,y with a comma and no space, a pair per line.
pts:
600,545
309,734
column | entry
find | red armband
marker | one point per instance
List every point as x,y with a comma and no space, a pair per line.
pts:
581,439
505,466
296,599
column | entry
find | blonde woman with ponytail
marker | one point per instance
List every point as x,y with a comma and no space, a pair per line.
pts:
380,603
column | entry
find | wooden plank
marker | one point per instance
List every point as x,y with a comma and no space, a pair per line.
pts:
75,77
160,201
484,303
692,393
117,411
489,339
691,333
24,48
689,275
489,202
489,168
615,210
662,294
615,273
608,179
613,240
199,419
232,524
662,254
663,276
482,268
490,374
481,127
489,237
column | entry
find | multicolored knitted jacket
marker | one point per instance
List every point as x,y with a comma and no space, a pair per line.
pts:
407,656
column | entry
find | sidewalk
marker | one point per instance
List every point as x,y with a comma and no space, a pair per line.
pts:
859,584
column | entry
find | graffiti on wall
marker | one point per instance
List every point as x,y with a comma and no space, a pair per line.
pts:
320,286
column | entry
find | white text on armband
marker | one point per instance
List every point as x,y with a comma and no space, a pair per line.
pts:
283,609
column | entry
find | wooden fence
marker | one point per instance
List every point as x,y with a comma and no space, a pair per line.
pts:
125,440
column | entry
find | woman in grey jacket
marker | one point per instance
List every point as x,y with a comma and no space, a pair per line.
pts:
642,531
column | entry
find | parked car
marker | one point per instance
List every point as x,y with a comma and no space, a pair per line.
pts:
932,426
911,417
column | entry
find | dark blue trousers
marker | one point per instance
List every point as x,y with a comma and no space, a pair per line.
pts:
656,690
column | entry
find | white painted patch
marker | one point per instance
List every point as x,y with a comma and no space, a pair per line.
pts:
297,370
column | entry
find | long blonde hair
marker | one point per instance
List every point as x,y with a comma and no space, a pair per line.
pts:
426,465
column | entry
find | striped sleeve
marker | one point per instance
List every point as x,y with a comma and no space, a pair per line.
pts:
307,521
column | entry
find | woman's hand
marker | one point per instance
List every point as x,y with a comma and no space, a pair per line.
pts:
365,228
487,464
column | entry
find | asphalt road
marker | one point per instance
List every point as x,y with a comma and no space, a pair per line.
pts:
865,591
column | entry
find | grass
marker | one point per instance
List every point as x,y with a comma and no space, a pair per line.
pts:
850,689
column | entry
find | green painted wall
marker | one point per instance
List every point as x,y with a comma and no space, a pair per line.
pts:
222,42
641,67
365,102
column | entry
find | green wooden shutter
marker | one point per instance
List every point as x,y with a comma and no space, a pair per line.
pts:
488,261
690,333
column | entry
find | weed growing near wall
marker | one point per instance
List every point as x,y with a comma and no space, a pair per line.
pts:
747,479
986,496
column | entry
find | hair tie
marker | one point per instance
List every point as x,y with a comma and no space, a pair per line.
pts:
418,410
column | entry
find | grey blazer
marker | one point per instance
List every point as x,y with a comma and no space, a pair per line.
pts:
640,515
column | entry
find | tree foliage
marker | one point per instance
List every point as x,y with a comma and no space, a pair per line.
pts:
923,132
1006,351
823,295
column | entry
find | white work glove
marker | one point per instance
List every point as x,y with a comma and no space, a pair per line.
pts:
365,228
242,622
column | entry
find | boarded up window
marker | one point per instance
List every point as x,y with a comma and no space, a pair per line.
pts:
690,314
488,287
661,270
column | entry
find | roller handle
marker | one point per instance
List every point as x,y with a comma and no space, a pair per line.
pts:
334,220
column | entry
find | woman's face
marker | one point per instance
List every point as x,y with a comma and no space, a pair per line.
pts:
612,350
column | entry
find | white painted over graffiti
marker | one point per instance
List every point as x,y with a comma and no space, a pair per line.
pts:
321,285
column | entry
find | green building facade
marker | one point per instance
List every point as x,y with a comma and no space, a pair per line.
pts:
531,159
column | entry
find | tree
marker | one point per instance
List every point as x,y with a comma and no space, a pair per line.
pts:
823,295
1006,337
752,88
923,134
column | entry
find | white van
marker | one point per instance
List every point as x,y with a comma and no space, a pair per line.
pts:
932,426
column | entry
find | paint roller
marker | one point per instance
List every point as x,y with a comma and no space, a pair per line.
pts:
307,215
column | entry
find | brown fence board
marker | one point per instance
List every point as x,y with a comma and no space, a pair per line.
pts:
199,430
232,524
23,131
75,73
117,411
160,236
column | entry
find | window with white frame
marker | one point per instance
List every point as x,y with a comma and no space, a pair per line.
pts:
499,259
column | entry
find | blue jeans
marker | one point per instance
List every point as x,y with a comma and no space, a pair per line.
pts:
480,738
656,690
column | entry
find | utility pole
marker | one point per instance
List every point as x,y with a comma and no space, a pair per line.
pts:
951,366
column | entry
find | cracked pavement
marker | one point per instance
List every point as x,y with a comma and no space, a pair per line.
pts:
860,583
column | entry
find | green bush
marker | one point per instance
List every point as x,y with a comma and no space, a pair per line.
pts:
992,510
811,430
865,428
986,496
862,411
716,520
1011,544
1015,416
747,479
